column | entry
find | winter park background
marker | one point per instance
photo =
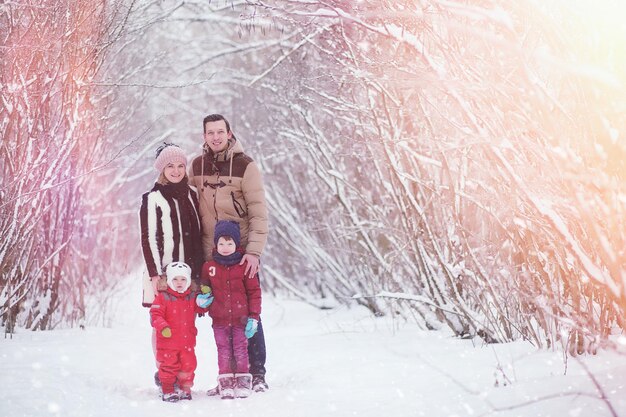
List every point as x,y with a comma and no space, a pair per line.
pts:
446,191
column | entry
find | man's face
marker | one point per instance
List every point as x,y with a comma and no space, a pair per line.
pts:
216,136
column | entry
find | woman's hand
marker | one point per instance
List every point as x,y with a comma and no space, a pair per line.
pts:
155,283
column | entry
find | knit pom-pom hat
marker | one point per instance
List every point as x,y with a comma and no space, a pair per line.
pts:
178,269
227,228
168,153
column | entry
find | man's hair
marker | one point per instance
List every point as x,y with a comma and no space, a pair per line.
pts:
215,118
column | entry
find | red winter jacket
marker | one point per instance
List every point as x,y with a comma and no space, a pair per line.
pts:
237,297
178,312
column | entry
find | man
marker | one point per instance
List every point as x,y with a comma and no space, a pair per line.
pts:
230,187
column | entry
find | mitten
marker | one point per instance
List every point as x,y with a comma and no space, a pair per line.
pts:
166,332
205,289
251,327
204,300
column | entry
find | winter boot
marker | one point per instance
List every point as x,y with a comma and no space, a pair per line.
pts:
259,384
226,383
243,385
183,394
213,391
170,397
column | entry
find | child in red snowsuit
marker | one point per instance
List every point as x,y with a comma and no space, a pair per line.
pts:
173,315
235,309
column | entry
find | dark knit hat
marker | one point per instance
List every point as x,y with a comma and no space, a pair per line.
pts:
227,228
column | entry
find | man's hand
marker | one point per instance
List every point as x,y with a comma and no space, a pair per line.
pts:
252,264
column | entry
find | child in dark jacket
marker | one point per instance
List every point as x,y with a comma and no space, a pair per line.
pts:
173,314
235,306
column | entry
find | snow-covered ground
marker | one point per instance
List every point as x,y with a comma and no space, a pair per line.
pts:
339,363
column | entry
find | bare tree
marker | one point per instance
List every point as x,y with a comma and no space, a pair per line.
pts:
438,161
447,158
52,52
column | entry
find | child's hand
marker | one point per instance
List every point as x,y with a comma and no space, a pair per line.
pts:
251,327
166,332
204,300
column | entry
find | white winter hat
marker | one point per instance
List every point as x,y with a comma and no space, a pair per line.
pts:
168,153
178,269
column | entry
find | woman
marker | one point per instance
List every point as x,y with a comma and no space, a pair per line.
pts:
169,219
170,225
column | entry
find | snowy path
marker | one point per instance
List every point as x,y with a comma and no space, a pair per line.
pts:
320,363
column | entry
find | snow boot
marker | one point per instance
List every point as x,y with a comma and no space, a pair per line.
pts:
215,391
259,384
183,394
170,397
226,383
243,385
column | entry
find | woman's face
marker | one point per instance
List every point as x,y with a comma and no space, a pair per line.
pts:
174,173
